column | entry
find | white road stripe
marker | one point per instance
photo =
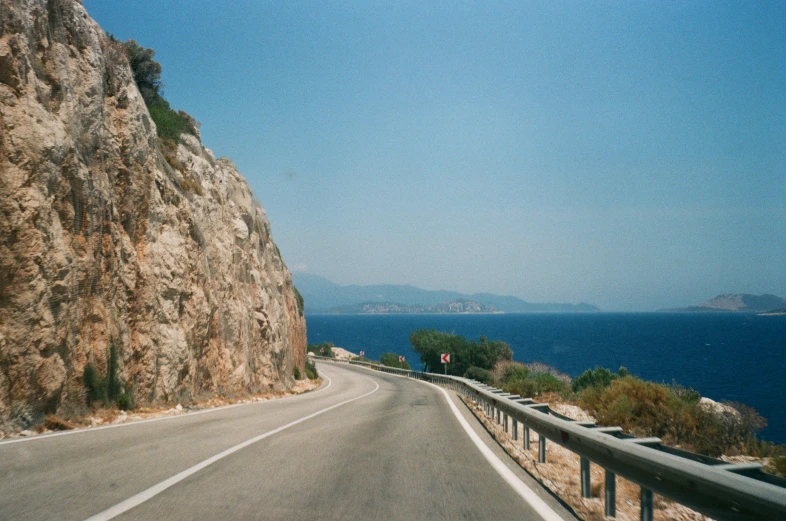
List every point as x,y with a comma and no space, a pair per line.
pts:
521,488
143,496
526,493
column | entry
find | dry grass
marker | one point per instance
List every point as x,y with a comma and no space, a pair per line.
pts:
561,475
54,423
106,416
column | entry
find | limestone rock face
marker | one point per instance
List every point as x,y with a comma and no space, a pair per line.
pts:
103,245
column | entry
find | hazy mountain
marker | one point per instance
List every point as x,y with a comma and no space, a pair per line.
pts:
322,295
392,308
743,303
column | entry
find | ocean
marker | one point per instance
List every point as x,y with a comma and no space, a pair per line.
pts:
724,356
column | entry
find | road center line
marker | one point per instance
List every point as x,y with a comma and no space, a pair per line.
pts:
153,491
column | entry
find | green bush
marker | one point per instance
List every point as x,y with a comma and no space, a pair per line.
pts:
170,124
479,374
598,377
548,383
391,360
296,373
124,402
147,76
311,370
112,381
651,409
779,465
324,349
430,344
524,388
94,385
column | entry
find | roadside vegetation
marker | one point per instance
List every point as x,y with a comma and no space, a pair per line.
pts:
107,389
323,349
465,354
391,360
671,412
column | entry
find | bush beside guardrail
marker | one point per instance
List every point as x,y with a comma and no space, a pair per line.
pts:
708,485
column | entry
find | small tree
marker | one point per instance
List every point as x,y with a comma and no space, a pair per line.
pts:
391,360
324,349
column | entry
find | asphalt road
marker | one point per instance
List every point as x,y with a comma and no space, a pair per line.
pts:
366,446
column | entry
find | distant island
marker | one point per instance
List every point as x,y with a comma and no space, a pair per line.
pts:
324,296
739,303
392,308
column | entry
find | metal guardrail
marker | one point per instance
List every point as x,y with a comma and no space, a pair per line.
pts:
718,489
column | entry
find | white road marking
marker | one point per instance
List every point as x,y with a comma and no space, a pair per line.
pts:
518,486
143,496
526,493
150,420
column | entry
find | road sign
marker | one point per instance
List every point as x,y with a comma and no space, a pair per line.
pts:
400,358
445,357
362,353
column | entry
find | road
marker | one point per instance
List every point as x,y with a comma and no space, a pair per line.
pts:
366,445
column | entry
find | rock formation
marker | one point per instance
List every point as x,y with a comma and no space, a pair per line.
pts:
105,247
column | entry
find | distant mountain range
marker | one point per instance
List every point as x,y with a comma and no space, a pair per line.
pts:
742,303
323,296
457,306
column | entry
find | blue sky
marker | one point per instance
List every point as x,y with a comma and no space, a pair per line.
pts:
627,154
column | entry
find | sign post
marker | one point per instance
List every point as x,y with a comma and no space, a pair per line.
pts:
400,358
445,359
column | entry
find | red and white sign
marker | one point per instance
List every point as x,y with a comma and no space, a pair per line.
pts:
400,358
445,358
362,353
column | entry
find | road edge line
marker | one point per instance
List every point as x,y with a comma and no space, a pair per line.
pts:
527,494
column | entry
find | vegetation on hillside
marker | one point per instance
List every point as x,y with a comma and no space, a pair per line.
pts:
106,389
170,124
147,75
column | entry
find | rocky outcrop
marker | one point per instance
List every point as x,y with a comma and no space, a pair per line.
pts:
743,303
105,247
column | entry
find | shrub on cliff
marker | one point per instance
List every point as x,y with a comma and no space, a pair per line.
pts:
170,124
311,370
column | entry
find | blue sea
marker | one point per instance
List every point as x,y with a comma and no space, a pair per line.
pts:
724,356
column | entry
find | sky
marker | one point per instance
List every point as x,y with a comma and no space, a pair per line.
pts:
628,154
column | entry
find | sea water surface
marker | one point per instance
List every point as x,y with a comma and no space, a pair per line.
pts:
724,356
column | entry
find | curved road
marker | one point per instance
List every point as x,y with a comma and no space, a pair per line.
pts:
366,445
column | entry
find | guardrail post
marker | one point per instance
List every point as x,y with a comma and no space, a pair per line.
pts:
611,494
505,423
526,438
499,416
586,490
541,448
646,504
515,429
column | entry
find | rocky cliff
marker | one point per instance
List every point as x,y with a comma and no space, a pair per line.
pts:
104,247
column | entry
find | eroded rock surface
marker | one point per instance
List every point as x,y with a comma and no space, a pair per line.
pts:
103,244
